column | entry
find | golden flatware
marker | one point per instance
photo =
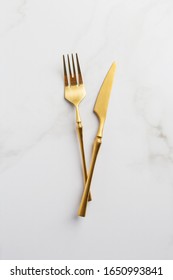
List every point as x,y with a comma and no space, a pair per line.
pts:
100,109
75,92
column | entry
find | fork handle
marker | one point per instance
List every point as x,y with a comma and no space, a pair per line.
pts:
80,136
83,204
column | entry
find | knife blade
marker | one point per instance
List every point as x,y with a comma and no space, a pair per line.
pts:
102,101
100,108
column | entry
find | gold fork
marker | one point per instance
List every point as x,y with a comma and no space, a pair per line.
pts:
75,92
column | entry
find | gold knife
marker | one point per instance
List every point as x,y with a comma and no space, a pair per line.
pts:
100,109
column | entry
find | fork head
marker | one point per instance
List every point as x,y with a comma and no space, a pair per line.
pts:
73,82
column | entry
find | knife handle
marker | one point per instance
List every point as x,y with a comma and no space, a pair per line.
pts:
80,137
83,204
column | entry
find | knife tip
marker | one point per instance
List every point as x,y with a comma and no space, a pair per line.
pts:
113,65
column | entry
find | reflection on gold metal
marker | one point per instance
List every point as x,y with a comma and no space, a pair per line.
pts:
75,92
100,109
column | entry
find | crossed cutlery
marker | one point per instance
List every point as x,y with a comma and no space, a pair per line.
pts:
74,92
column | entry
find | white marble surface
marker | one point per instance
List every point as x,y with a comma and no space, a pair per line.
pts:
131,216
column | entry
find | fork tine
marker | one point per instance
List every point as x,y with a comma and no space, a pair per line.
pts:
65,72
79,71
70,72
69,67
73,81
74,70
